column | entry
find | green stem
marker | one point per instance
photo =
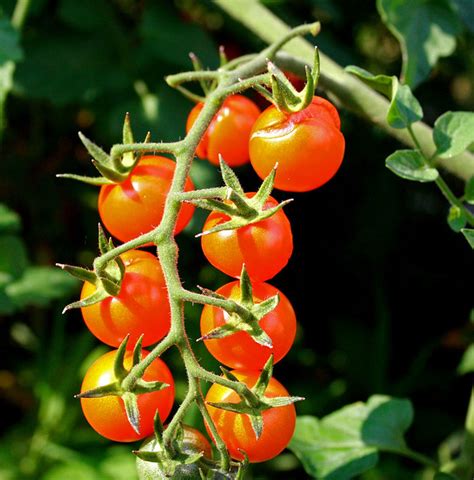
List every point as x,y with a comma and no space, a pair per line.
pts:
205,193
349,90
467,452
20,13
418,457
118,150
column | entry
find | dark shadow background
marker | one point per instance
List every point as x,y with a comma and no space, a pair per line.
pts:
381,285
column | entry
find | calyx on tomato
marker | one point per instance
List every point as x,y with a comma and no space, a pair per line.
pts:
241,209
112,169
253,401
284,95
106,281
248,314
119,388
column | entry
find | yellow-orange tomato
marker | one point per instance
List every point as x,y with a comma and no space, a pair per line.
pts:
229,131
106,415
265,247
308,145
236,430
140,308
240,350
136,205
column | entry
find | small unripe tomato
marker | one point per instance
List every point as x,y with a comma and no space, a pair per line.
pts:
240,350
236,430
229,131
136,205
264,247
140,308
308,145
193,442
107,416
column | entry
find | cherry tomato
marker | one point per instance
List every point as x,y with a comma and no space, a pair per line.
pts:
141,307
106,415
193,442
265,247
229,131
307,145
236,430
136,205
240,350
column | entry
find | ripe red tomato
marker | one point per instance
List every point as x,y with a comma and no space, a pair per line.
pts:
136,205
107,416
307,145
141,307
193,442
240,350
229,131
236,430
265,247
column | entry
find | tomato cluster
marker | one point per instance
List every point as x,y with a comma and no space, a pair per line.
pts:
308,147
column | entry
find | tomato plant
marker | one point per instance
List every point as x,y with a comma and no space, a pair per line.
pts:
140,308
229,131
240,350
106,415
308,145
136,205
264,247
235,428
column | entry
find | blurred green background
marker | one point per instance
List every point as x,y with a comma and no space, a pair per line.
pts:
381,286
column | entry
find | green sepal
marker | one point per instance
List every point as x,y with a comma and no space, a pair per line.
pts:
263,308
282,401
229,177
81,273
158,427
285,96
95,151
264,378
243,466
102,239
223,60
96,297
127,133
109,172
147,456
96,181
142,386
257,424
228,374
103,391
265,189
120,371
137,351
211,293
246,297
131,409
213,205
263,92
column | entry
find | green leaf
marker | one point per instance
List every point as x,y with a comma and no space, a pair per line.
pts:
465,10
6,83
467,361
39,285
381,83
346,443
426,31
13,257
404,108
331,448
10,221
444,476
387,422
469,191
410,164
453,133
10,48
456,218
469,234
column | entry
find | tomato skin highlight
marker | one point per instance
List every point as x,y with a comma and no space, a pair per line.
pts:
264,247
229,131
136,205
308,146
236,430
240,350
106,415
141,307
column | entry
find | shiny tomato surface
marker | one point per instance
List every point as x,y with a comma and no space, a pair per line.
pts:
136,205
140,308
106,415
308,145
